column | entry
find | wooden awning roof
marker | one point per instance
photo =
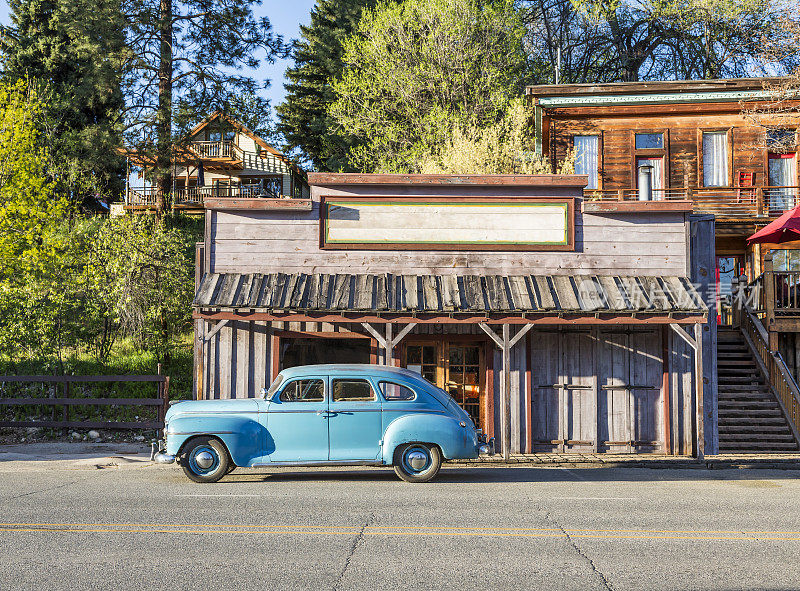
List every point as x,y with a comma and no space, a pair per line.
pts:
448,294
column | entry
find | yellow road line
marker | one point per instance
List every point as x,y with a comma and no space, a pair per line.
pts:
389,531
441,528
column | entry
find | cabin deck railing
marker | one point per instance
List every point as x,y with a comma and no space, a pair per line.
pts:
728,202
219,149
772,364
194,196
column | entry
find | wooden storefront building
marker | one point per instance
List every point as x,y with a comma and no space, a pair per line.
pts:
558,323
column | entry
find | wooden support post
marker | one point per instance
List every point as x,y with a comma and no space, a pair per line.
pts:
699,383
386,341
760,209
696,343
199,358
769,301
505,344
737,299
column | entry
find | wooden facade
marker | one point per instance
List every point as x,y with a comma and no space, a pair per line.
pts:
588,348
707,142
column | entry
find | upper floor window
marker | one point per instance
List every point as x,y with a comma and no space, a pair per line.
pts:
715,158
649,141
587,158
218,135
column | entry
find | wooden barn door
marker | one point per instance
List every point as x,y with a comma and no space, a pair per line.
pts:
597,390
564,391
630,403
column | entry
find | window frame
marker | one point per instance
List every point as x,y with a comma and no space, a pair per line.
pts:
650,153
383,395
599,171
352,379
701,181
278,394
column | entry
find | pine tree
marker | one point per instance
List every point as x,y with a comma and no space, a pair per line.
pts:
73,49
303,117
186,58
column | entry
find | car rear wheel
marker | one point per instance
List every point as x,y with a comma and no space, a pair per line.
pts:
417,462
205,459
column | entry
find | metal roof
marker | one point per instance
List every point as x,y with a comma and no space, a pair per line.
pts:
448,293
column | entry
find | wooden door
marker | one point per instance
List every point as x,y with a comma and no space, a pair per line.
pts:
463,378
579,387
614,395
546,391
630,403
456,366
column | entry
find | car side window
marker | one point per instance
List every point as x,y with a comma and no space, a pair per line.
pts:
312,390
351,390
392,391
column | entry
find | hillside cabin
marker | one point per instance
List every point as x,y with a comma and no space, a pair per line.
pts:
220,157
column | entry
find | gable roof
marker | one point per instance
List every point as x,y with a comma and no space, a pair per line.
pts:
244,130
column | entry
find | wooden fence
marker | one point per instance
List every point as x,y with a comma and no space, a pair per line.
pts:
66,401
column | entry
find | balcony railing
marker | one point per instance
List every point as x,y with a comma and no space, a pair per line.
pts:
223,149
194,196
724,202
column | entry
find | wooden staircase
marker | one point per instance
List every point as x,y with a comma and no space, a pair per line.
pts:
750,418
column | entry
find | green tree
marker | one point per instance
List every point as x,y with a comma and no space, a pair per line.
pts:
75,48
303,116
185,57
142,268
505,147
416,69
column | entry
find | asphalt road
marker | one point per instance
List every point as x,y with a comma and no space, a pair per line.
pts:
147,527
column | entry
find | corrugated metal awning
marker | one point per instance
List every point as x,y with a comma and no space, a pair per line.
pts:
449,293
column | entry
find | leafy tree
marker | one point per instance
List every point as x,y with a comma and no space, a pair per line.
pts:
142,268
416,69
303,117
74,47
184,58
501,148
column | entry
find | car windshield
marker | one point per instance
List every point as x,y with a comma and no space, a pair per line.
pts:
275,384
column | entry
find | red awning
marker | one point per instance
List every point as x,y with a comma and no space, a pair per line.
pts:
785,229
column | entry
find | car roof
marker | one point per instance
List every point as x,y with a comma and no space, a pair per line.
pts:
348,368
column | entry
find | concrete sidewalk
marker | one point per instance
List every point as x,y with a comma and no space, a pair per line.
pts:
132,455
584,460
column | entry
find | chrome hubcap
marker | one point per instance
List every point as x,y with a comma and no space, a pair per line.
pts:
417,460
204,460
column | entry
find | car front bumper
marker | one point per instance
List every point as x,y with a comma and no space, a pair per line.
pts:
158,453
485,446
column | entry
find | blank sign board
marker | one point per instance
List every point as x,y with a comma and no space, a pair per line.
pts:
454,224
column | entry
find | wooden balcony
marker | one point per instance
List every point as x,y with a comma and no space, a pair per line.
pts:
223,149
193,197
727,203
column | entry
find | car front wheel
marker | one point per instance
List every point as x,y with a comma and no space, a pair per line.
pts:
205,459
417,462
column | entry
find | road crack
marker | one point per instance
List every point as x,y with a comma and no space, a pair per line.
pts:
42,490
356,541
583,555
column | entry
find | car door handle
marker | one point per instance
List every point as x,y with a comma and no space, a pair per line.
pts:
325,413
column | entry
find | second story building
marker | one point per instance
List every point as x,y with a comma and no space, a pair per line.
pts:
708,142
221,158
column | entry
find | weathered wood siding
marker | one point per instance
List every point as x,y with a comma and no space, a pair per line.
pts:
606,244
682,141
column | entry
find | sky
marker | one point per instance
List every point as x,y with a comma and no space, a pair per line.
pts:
286,17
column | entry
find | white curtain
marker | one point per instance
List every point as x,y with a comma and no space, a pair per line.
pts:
656,175
782,173
586,158
715,159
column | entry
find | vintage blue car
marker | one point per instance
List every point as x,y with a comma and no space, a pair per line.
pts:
324,415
